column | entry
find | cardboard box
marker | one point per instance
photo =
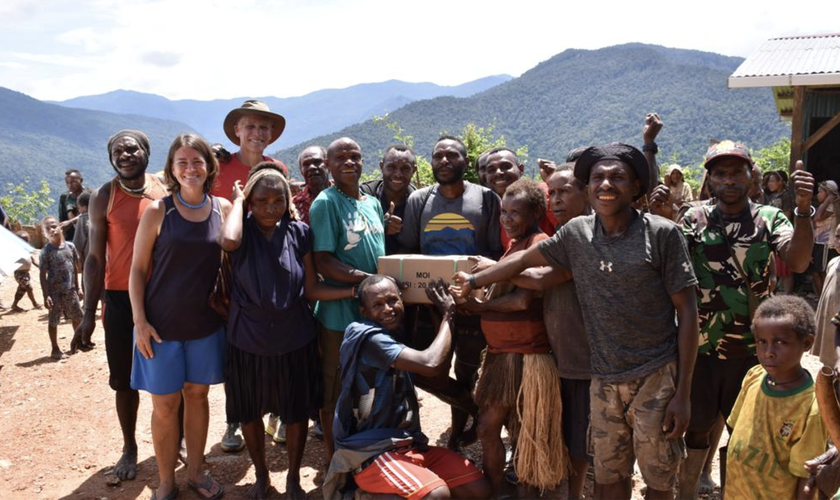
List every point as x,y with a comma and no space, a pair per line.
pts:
416,271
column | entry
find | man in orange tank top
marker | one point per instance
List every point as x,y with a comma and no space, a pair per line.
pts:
115,210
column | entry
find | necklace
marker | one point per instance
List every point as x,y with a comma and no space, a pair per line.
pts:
774,383
354,200
195,207
359,213
140,190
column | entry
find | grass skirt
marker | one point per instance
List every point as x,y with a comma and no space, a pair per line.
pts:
530,385
288,385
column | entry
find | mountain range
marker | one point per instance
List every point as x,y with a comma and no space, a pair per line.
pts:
311,115
39,140
576,98
585,97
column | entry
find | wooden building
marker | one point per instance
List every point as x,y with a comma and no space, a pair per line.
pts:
804,73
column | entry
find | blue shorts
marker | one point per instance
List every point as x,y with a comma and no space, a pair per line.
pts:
199,361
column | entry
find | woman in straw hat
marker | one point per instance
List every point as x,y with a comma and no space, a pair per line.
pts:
252,127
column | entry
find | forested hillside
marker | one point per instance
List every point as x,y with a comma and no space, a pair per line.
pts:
583,97
40,141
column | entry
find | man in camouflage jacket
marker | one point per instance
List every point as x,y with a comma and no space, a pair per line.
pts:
731,241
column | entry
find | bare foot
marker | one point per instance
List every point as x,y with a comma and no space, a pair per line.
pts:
294,491
57,354
38,306
260,489
126,467
706,486
16,308
75,343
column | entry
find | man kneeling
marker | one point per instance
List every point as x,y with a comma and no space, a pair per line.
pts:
377,419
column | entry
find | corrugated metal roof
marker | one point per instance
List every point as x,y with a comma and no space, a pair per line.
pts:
791,61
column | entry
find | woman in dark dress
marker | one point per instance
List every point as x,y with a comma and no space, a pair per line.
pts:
272,361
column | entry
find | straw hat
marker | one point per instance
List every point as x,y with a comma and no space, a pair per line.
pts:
253,107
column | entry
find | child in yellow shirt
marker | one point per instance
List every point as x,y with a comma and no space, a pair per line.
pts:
776,425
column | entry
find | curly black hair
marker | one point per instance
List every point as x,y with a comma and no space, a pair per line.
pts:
800,312
531,191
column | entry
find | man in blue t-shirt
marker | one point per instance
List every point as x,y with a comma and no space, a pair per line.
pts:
377,426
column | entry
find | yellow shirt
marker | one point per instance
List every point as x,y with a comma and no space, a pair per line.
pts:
774,433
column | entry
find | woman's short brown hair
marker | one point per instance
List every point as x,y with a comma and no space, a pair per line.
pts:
199,144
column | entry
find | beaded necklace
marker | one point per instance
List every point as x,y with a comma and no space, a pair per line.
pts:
188,205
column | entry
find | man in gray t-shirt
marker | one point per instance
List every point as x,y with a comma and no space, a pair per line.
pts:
624,284
452,217
636,286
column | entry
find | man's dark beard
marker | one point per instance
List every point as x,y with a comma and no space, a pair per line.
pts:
455,180
139,175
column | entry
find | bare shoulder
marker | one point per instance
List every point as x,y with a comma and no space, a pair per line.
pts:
99,203
224,204
157,207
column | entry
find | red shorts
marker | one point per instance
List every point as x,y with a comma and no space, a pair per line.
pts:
414,474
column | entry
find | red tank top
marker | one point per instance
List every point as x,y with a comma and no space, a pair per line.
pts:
123,216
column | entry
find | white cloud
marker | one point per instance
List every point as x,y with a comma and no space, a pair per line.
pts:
56,60
161,59
234,48
12,65
86,37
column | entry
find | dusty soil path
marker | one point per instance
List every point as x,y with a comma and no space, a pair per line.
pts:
60,437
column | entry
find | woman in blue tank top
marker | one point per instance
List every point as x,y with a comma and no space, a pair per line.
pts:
179,340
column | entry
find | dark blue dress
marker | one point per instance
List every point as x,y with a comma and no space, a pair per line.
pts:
273,364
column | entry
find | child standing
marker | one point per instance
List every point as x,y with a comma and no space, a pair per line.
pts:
24,279
776,422
59,264
80,235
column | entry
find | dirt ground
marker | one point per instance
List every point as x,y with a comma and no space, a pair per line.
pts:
60,436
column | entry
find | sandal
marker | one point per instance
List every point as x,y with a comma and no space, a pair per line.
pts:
171,496
205,488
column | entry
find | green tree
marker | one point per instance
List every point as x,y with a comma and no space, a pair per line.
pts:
26,206
774,157
480,139
476,139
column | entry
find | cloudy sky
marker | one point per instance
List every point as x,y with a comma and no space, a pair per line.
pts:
184,49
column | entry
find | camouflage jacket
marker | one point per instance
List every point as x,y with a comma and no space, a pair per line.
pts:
722,302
